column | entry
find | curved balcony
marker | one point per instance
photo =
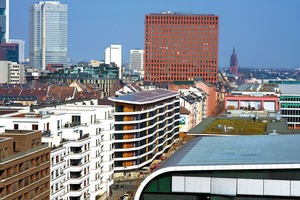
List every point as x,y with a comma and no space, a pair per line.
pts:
147,110
78,155
143,129
148,144
146,119
76,178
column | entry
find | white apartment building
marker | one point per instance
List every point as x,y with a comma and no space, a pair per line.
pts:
137,60
113,53
81,137
11,72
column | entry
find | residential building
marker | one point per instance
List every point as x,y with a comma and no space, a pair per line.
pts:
195,101
11,72
289,104
48,34
21,44
24,165
137,60
81,137
234,68
180,47
146,126
4,21
9,52
104,76
248,167
113,54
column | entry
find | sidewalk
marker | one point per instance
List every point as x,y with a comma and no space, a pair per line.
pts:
128,185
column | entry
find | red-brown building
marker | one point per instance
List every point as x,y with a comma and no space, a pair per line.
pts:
180,47
24,166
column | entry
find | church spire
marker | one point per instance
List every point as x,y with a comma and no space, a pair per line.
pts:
233,68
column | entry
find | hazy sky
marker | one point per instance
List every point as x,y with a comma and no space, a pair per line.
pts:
265,33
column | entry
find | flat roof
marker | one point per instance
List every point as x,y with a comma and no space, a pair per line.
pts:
144,97
289,89
237,150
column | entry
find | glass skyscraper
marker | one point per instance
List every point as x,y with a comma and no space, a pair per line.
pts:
48,34
4,21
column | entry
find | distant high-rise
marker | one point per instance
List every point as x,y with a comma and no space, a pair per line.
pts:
21,44
180,47
233,69
113,54
4,21
136,59
9,52
48,34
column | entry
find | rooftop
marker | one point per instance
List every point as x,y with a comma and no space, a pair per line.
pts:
237,150
242,125
289,89
144,97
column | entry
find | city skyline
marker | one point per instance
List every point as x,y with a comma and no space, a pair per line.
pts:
264,33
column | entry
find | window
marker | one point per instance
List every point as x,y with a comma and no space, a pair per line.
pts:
16,126
35,127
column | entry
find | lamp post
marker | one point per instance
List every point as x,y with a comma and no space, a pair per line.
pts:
124,178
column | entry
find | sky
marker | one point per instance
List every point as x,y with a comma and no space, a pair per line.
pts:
265,33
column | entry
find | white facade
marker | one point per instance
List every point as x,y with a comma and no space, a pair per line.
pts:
137,60
11,72
194,101
21,44
81,137
48,34
114,54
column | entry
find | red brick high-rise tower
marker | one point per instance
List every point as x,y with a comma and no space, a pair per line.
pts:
180,47
234,69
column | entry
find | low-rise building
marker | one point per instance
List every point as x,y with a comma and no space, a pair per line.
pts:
290,104
237,168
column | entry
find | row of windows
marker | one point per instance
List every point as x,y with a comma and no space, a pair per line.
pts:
184,17
183,78
181,22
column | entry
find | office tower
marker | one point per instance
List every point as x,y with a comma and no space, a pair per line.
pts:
233,69
21,44
24,165
146,125
48,34
136,59
180,47
4,21
9,52
113,53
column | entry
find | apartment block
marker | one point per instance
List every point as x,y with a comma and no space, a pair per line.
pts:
81,137
11,72
24,166
146,126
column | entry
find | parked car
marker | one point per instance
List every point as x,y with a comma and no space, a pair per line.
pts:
145,170
128,195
